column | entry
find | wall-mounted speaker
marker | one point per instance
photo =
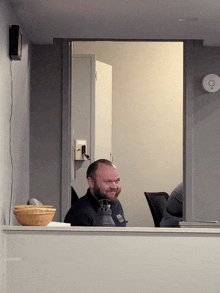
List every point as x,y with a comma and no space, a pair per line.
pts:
15,42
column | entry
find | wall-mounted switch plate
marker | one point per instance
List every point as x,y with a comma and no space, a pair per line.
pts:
78,149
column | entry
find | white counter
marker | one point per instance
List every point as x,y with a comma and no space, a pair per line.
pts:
117,230
110,259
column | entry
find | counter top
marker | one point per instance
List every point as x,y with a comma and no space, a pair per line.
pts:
111,230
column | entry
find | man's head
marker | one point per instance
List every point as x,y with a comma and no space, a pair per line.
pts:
104,180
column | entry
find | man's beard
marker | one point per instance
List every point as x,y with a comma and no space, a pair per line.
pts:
100,195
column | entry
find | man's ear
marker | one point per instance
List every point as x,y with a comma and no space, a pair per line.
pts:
90,182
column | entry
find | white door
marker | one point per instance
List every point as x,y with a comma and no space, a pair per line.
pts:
103,111
91,111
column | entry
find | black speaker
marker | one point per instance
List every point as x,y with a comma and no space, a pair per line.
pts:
15,42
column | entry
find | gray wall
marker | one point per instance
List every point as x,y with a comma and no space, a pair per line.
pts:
202,135
45,125
201,130
14,126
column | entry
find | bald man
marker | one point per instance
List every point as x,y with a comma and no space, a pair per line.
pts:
104,186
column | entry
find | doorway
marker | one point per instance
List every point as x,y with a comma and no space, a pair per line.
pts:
147,118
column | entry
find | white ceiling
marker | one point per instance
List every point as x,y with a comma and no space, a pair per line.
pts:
44,20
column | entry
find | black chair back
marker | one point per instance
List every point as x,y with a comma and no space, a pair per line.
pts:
157,202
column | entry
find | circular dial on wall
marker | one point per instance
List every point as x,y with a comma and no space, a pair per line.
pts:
211,83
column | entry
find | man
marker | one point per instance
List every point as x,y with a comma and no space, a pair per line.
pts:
173,211
104,186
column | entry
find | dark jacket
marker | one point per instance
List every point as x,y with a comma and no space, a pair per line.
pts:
84,212
173,211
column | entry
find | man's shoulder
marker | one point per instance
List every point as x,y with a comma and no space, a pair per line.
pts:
117,203
117,206
178,192
80,212
82,202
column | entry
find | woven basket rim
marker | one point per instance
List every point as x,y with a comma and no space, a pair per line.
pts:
35,212
32,206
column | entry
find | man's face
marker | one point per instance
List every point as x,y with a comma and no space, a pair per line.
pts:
106,183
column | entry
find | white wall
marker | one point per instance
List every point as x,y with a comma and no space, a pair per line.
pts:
147,118
14,125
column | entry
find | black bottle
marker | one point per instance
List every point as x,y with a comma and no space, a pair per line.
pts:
104,214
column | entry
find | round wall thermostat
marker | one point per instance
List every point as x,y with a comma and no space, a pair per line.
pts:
211,83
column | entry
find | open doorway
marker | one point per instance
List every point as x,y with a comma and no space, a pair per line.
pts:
147,119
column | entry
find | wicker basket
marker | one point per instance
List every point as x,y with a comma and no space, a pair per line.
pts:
35,215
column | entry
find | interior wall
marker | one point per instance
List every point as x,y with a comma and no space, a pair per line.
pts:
14,126
147,118
46,125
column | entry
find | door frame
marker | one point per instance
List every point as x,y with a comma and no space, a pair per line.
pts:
65,197
66,122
